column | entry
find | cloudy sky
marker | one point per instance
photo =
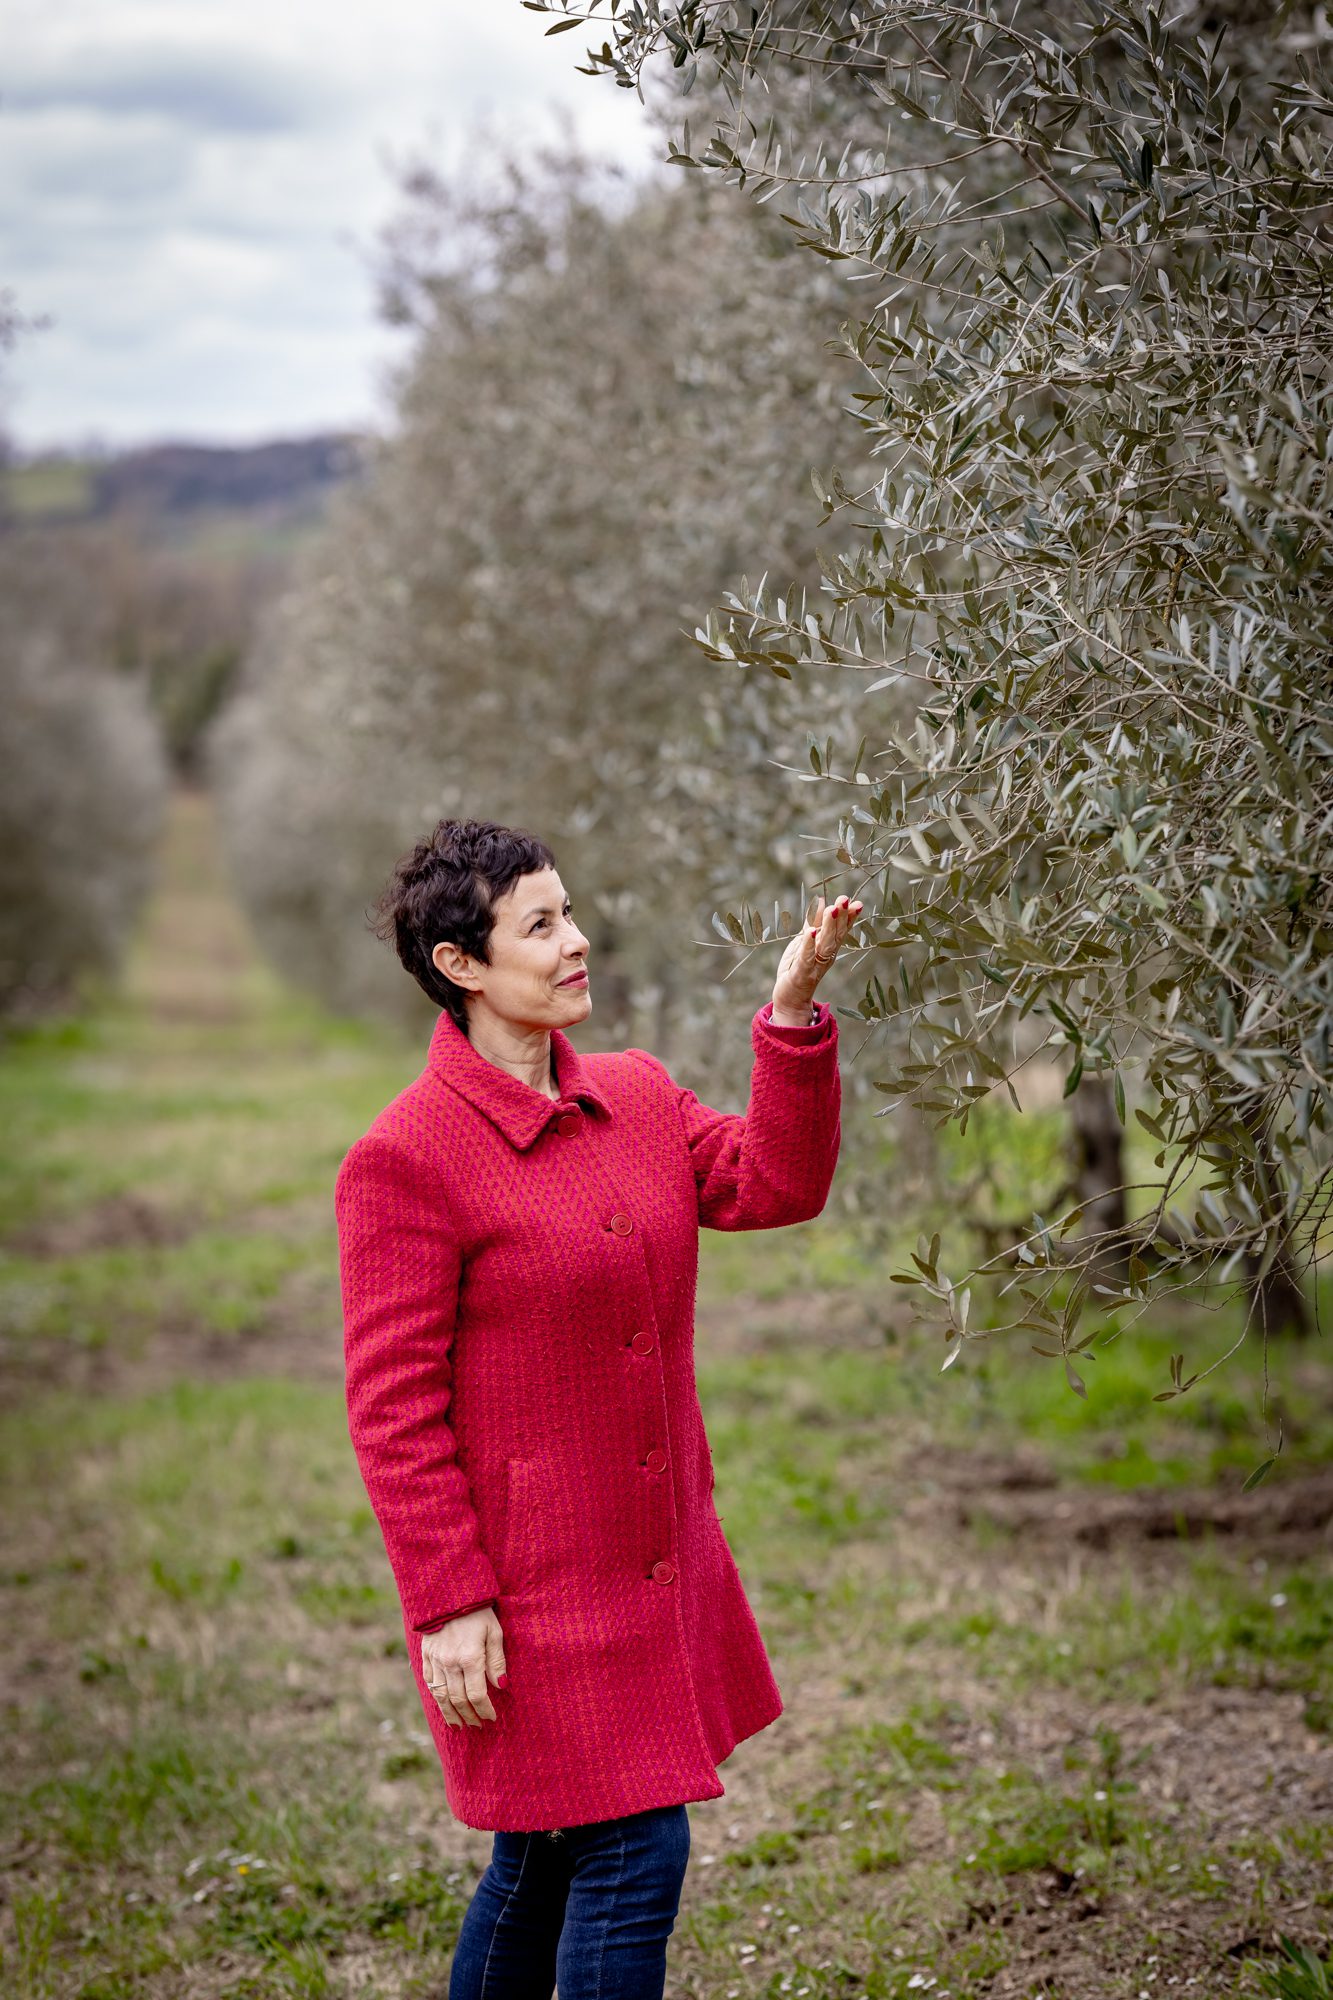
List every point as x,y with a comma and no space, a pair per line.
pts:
189,190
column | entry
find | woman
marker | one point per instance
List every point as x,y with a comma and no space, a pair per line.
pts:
518,1235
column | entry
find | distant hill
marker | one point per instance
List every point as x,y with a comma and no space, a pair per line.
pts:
160,483
164,559
173,478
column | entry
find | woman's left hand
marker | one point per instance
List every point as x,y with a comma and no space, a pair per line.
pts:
808,957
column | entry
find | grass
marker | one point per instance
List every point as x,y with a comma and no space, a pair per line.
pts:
48,486
1011,1762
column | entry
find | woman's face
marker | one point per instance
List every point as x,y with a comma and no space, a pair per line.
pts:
536,950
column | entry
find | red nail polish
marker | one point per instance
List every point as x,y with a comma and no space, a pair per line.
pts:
503,1681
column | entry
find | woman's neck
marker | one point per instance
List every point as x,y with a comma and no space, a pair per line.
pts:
526,1054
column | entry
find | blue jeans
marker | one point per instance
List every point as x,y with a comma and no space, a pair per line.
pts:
589,1910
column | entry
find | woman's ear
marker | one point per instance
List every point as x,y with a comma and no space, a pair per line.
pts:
454,963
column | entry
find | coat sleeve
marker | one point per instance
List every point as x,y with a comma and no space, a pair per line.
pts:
436,1623
775,1164
400,1264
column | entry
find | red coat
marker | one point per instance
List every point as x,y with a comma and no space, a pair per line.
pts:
518,1290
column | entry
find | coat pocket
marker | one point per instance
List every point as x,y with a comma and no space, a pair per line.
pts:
514,1563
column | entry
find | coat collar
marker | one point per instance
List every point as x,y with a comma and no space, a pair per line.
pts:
519,1111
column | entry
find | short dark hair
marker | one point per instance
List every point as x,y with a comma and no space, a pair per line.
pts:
447,889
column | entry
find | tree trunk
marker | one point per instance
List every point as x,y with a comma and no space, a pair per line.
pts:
1099,1176
1279,1297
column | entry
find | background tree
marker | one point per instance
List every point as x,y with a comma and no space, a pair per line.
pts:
1093,569
82,774
82,786
612,398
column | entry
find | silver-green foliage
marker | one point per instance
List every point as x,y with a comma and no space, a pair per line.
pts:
83,783
1094,314
594,430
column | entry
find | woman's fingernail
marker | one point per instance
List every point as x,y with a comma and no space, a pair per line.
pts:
503,1681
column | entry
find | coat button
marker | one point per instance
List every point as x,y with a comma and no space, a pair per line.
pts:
656,1461
568,1125
642,1342
663,1572
621,1223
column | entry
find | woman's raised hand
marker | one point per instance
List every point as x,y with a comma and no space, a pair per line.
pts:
457,1661
808,957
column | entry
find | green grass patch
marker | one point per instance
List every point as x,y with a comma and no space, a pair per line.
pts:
48,487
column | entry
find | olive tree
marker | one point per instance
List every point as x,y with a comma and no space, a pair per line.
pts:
1085,598
594,429
83,782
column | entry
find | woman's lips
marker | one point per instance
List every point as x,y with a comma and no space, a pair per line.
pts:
575,979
